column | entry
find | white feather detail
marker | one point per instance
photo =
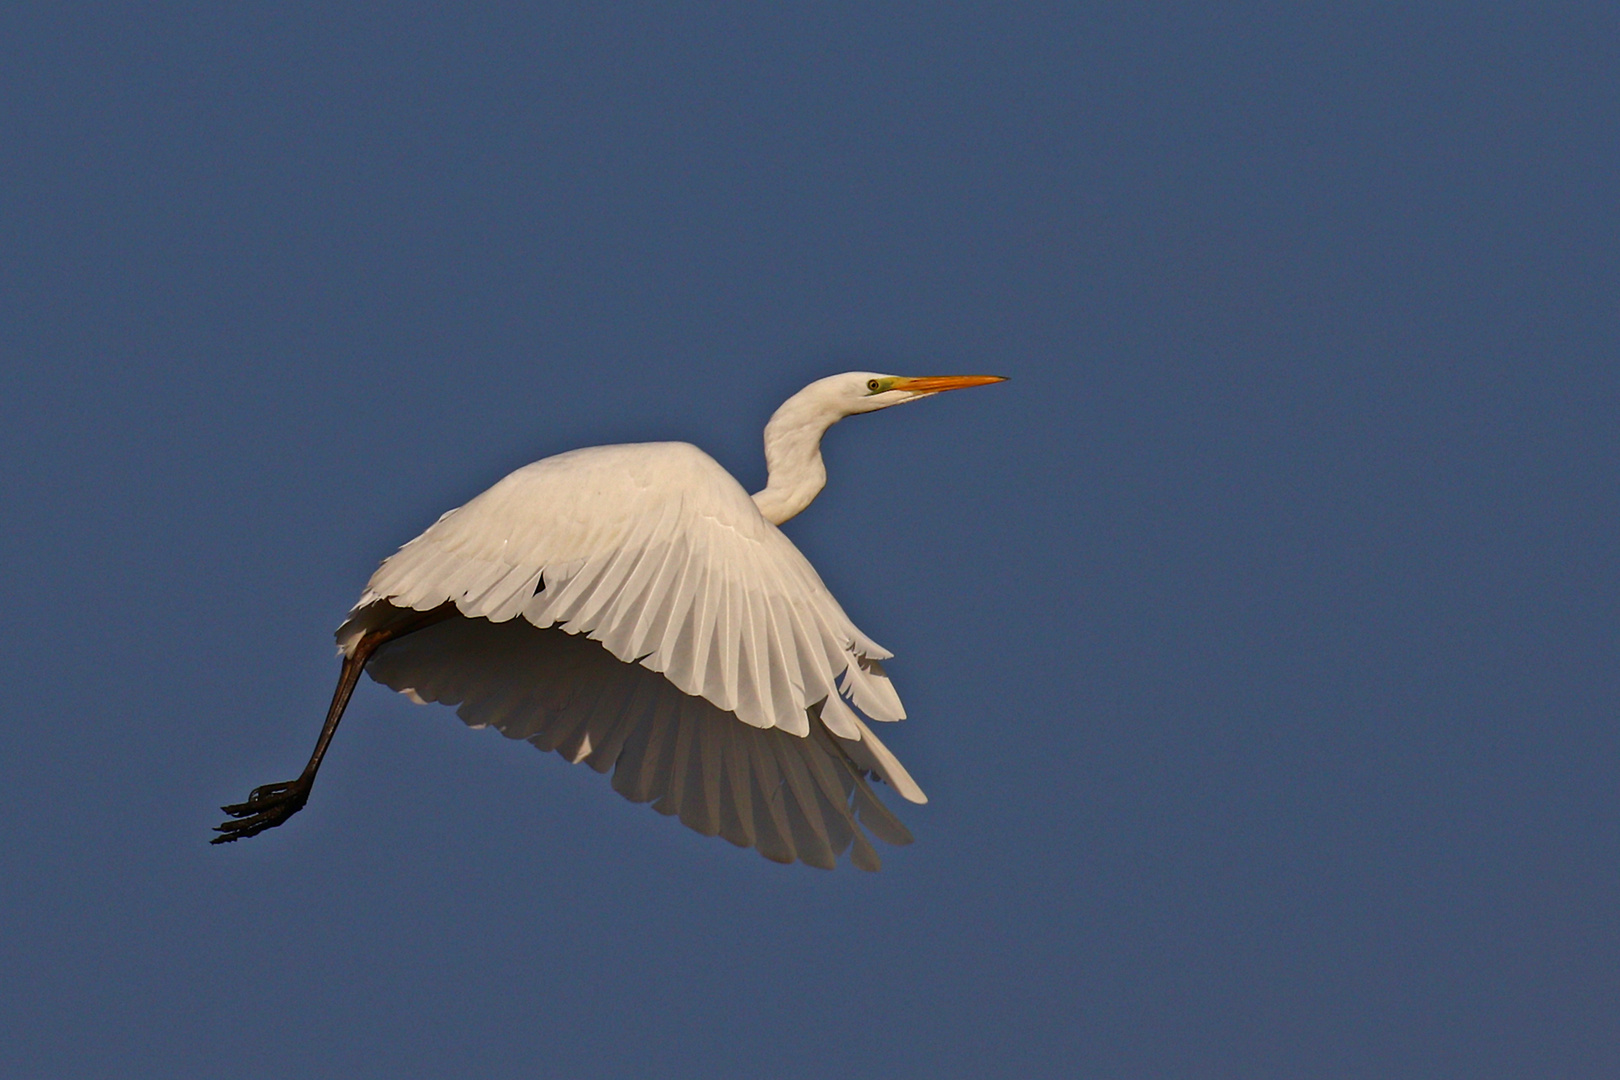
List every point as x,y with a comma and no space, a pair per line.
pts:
793,798
655,551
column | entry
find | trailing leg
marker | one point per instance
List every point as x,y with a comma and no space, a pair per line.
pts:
271,804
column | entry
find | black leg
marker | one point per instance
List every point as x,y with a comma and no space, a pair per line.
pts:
271,804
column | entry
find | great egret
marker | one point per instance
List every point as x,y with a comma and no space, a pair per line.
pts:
669,631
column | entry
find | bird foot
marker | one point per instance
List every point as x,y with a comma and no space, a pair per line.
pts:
266,807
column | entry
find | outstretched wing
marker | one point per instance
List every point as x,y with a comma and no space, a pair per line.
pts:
658,553
791,797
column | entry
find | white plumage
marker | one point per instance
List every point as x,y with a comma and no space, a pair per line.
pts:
655,551
725,682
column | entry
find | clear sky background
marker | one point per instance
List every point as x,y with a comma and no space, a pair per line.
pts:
1259,637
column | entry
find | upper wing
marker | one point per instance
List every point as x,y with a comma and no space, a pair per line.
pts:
658,553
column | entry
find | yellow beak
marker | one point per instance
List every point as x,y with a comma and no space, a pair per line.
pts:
933,384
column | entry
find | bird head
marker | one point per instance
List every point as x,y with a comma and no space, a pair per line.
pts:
868,391
793,436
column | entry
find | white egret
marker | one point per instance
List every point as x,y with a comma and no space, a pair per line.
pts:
634,608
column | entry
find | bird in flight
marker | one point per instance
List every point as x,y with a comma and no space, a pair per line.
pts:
634,608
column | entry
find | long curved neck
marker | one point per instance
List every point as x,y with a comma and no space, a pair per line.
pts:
793,454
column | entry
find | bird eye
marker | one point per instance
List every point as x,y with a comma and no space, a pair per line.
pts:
873,385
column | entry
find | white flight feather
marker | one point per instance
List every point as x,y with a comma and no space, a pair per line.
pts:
655,551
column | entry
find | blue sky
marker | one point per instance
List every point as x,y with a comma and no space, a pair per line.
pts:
1258,637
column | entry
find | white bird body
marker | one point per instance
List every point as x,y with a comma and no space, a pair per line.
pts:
654,551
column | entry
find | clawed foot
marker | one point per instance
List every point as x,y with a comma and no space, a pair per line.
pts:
266,807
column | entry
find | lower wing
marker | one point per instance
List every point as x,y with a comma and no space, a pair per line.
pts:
790,797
